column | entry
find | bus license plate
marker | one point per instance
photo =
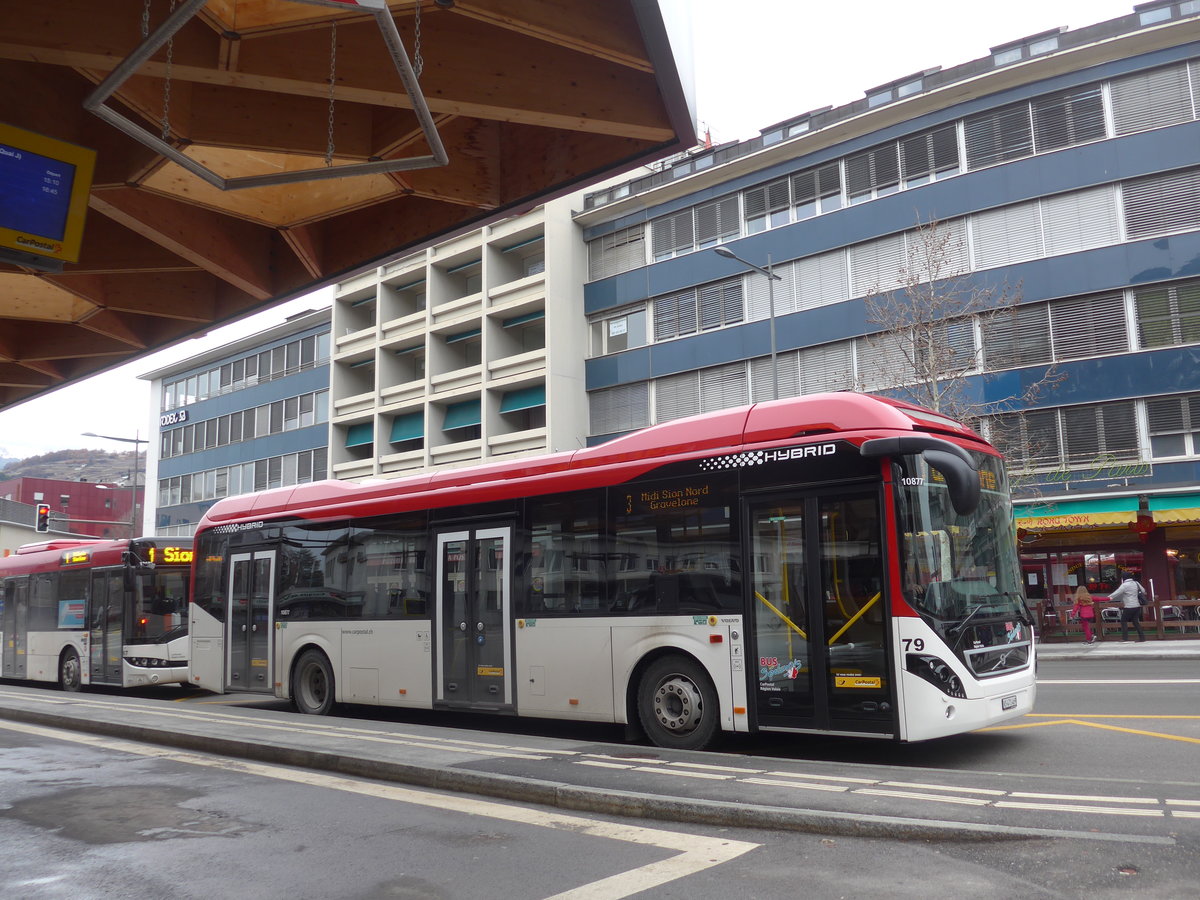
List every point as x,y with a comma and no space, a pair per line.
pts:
1009,702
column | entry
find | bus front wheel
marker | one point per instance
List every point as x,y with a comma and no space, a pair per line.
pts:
70,673
677,704
312,684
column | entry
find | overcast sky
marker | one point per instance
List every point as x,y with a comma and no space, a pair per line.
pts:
756,62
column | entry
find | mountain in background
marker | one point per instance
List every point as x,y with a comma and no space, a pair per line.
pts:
75,465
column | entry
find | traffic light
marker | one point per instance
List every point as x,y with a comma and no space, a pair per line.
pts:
43,517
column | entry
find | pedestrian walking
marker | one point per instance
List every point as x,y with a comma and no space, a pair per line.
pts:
1085,610
1131,596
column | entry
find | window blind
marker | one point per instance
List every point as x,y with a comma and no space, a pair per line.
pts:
1080,220
929,153
676,396
998,136
1068,118
1153,99
1088,326
1162,204
1017,337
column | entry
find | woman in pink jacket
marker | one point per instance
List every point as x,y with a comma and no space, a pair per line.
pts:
1085,609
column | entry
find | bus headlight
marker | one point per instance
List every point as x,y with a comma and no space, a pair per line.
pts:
936,672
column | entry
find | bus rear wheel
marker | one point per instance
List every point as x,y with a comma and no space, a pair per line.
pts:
70,673
677,704
312,684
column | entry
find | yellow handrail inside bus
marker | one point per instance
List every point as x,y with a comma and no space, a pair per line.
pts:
790,624
858,615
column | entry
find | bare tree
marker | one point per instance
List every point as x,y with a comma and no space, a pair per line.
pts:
935,324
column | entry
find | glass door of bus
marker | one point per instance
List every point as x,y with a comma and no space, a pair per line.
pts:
474,629
106,626
249,615
14,623
819,614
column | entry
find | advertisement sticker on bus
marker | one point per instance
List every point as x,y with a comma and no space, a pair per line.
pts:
70,613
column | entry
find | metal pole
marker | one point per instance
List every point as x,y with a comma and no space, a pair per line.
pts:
771,301
137,464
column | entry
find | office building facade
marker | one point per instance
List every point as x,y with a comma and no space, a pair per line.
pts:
249,416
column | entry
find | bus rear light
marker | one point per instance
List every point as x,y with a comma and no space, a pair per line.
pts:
716,638
739,710
574,701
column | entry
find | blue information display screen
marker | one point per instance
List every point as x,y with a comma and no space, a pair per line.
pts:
35,192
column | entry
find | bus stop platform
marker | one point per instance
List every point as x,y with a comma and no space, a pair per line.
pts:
843,789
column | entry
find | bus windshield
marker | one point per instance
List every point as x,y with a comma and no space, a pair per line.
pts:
961,573
160,605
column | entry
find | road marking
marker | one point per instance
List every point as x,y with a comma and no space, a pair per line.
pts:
711,776
692,853
811,777
1032,796
944,787
776,782
914,795
1065,807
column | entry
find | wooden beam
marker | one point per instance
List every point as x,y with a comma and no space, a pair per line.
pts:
236,252
188,296
34,299
607,31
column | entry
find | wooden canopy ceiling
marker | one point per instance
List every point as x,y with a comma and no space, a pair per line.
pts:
529,98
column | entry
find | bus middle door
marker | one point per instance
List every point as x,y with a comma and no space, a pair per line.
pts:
15,626
474,636
249,635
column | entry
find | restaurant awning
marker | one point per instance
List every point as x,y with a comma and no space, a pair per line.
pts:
1067,515
1179,509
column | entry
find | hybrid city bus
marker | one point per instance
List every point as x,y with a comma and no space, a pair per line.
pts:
83,612
836,563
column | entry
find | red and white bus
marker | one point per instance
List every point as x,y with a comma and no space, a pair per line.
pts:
835,563
83,612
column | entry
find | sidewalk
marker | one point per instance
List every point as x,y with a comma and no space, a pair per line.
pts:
1115,648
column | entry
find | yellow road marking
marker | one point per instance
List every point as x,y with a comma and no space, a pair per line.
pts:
1102,726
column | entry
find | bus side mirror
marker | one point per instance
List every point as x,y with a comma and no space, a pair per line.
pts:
955,464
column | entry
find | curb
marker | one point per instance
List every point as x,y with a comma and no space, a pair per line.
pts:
565,796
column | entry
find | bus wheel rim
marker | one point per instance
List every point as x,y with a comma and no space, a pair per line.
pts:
71,670
678,705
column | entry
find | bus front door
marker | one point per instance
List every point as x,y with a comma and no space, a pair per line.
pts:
474,635
819,617
14,623
248,664
106,627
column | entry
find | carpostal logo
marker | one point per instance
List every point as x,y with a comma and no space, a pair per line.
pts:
37,244
765,457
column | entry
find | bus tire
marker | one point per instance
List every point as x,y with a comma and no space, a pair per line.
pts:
677,704
312,684
70,673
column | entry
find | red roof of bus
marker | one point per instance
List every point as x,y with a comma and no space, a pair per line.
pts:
842,414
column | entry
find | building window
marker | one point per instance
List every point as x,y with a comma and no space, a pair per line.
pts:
622,331
1174,426
1168,315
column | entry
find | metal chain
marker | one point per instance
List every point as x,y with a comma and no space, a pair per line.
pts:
332,82
166,115
418,62
146,20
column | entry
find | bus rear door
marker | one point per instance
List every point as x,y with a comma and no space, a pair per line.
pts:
248,636
818,614
474,628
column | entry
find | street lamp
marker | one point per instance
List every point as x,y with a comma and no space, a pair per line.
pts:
771,279
136,441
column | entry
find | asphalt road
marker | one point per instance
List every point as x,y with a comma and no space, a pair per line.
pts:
90,817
